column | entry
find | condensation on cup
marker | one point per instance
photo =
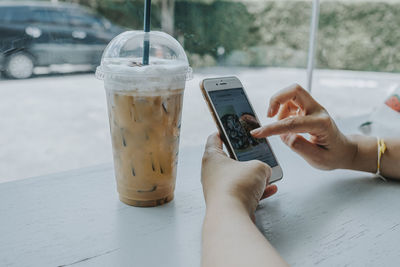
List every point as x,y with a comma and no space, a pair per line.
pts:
144,108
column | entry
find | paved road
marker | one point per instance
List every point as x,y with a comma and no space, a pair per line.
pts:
51,124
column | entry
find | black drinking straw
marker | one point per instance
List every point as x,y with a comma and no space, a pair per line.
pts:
146,42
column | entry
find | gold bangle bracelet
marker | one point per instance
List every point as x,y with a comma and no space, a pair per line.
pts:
381,151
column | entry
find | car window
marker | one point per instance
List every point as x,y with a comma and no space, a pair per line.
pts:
80,19
18,14
50,16
5,14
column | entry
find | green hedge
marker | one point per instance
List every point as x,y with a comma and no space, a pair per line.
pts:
352,35
360,36
206,27
128,13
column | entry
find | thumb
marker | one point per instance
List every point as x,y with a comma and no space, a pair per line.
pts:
214,144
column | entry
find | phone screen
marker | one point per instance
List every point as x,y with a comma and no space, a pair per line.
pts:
238,119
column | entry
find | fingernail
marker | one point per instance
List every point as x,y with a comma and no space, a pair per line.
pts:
269,112
255,131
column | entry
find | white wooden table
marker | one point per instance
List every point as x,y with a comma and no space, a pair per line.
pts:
337,218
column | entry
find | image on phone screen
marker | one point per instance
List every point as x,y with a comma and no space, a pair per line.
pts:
238,119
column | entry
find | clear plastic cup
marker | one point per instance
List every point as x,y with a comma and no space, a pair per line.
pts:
144,108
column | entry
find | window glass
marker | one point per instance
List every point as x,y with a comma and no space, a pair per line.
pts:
357,41
20,14
5,13
263,42
81,19
49,16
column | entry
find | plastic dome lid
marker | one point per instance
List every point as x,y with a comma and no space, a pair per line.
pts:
123,57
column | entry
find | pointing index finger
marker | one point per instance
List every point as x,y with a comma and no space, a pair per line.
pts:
289,125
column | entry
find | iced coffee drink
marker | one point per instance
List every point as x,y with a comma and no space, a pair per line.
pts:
144,108
145,135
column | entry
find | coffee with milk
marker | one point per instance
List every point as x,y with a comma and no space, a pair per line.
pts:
144,107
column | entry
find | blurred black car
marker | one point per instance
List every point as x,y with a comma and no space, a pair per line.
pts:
42,34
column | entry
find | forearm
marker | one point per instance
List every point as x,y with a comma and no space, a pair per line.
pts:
230,238
367,156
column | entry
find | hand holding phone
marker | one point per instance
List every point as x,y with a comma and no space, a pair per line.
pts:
235,118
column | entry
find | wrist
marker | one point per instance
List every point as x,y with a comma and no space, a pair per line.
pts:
352,152
365,158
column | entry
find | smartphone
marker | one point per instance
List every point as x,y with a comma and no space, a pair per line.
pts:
235,118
